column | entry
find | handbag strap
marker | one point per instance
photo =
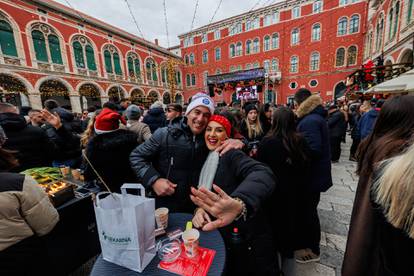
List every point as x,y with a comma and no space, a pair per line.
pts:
97,174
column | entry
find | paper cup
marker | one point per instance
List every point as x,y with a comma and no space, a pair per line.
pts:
190,239
76,174
161,217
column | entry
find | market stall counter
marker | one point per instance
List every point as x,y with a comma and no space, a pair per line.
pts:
74,239
211,240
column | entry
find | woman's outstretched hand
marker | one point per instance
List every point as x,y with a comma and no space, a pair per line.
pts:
221,206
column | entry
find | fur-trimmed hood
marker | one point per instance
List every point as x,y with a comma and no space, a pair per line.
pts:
309,105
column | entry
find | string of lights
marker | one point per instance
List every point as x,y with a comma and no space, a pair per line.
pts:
194,15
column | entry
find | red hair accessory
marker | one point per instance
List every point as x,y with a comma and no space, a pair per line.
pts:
222,121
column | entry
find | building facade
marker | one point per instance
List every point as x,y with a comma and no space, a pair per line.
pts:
51,51
390,31
313,44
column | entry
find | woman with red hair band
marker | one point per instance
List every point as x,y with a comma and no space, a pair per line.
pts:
241,185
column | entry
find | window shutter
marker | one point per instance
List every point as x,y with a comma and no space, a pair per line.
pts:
7,43
90,57
54,48
108,62
117,64
39,46
78,52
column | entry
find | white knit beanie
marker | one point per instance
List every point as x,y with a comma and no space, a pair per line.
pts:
200,99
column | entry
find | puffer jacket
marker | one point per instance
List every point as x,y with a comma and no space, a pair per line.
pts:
155,119
140,129
313,126
25,210
109,155
366,123
172,152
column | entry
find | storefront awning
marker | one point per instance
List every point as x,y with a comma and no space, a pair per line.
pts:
400,84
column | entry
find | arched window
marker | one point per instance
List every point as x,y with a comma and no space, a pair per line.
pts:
188,80
266,65
352,55
316,32
46,44
379,34
343,2
256,65
354,24
248,66
314,61
178,78
112,61
266,43
239,49
205,56
396,18
342,25
187,59
340,57
84,53
151,69
275,65
134,66
218,53
295,12
232,50
192,59
193,79
164,76
275,41
7,43
256,45
294,64
294,36
248,47
317,6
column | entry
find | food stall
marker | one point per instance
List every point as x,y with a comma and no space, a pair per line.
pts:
74,239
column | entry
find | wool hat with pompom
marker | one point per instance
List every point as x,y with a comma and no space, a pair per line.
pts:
200,99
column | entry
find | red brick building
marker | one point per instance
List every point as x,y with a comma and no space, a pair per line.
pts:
51,51
312,44
390,31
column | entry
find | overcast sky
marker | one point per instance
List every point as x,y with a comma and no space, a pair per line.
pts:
150,14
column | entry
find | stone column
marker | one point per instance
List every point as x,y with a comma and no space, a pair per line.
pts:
75,103
35,100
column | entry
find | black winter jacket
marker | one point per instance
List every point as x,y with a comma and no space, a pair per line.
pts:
34,148
172,152
285,208
155,119
109,154
337,124
253,182
313,126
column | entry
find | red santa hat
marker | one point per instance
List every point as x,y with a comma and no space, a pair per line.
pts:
108,121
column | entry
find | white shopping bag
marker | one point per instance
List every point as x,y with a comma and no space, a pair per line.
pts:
126,226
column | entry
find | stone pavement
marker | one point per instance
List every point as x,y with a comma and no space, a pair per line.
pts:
334,211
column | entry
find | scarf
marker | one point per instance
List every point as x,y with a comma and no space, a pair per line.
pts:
208,172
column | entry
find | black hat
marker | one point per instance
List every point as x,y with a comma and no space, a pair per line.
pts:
249,107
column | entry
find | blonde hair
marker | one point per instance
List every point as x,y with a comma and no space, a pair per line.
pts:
89,132
394,191
258,130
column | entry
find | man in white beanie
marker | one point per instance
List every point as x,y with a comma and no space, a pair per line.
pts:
170,162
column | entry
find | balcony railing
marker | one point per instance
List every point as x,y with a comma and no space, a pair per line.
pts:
365,78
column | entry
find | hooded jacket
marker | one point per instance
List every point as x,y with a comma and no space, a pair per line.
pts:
109,155
175,153
155,118
34,148
313,126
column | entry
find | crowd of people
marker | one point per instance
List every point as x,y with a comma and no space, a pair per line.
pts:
258,167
